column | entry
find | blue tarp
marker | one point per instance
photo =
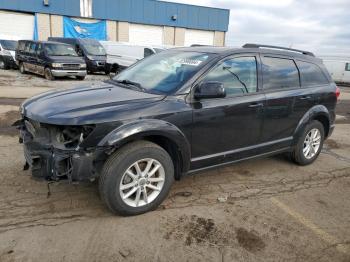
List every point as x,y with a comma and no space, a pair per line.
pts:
75,29
35,34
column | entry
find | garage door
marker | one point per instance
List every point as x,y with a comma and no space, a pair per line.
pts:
145,34
16,25
198,37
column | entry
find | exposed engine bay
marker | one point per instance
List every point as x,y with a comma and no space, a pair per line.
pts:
53,152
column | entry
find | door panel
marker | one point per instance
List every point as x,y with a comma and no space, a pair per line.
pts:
227,124
146,34
283,111
281,85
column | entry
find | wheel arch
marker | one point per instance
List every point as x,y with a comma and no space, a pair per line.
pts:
319,113
160,132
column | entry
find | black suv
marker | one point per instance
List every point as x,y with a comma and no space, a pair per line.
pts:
49,59
177,112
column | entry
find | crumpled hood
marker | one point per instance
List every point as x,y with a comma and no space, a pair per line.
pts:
93,104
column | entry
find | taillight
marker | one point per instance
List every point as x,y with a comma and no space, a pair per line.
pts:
337,92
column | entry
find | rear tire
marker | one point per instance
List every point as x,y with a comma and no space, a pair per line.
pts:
309,145
48,74
22,69
120,177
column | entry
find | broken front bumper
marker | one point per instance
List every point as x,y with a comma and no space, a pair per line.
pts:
52,163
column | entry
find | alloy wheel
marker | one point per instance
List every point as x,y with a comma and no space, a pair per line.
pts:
142,182
312,143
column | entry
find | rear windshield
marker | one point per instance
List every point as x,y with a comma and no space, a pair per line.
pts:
59,50
9,44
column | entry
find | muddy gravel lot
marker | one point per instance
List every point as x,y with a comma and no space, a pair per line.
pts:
259,210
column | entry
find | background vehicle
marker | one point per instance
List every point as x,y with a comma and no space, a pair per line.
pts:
338,67
93,52
7,54
122,55
176,112
49,59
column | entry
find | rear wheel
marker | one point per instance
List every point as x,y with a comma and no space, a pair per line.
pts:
136,178
309,144
22,69
48,74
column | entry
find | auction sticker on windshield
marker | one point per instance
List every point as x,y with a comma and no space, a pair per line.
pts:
191,62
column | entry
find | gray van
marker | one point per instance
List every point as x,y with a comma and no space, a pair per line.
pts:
91,50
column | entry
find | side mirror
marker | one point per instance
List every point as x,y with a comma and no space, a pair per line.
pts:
210,90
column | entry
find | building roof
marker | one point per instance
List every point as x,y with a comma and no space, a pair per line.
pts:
134,11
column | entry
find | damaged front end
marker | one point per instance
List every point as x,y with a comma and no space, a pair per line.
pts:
54,152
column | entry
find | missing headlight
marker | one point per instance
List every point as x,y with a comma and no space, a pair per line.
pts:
72,136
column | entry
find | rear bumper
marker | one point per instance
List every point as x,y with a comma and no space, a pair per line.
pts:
331,129
61,73
96,66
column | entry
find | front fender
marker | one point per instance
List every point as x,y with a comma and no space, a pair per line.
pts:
149,127
313,113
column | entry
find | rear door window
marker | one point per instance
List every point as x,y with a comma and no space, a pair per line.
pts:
39,49
279,73
27,46
311,74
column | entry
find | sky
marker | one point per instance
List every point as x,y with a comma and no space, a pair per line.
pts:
320,26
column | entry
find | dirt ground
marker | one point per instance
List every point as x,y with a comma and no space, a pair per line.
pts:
259,210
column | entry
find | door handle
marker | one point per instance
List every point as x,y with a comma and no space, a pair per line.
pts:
305,98
256,105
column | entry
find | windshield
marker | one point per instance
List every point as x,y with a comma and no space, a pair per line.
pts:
59,50
158,50
165,72
94,49
9,44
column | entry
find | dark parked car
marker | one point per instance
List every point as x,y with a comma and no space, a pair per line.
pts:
7,54
177,112
91,50
49,59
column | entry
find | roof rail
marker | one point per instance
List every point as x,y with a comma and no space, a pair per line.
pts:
278,47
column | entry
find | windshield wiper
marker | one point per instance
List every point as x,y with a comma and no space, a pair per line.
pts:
131,83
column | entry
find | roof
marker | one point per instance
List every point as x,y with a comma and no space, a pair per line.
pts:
234,50
44,42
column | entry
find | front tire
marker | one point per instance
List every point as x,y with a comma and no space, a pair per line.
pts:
309,145
22,69
48,74
136,178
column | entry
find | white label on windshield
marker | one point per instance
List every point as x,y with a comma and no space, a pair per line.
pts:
191,62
